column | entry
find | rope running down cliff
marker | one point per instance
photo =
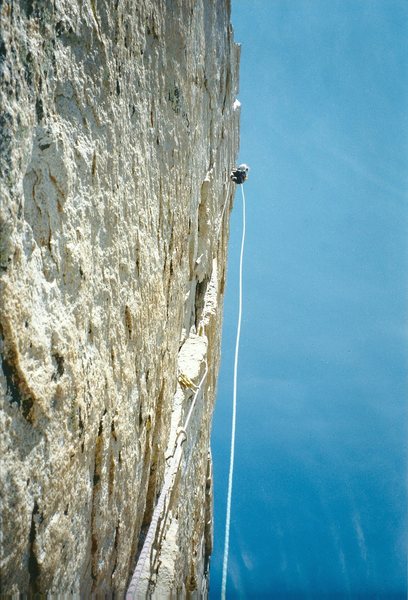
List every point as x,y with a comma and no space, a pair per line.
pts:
234,412
166,490
162,504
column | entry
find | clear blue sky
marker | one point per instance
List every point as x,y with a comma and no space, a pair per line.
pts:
319,506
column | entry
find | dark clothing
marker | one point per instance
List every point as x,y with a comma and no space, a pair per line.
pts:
238,176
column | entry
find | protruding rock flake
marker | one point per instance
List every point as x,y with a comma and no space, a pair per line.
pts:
118,133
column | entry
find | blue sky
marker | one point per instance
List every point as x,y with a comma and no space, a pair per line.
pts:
320,486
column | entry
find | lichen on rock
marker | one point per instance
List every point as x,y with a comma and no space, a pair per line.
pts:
117,135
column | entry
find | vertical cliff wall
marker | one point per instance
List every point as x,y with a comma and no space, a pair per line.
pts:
117,136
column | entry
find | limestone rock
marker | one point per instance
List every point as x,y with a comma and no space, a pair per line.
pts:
118,132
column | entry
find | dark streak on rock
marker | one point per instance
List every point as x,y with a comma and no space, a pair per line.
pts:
3,51
14,390
39,109
96,483
28,7
128,321
59,369
33,565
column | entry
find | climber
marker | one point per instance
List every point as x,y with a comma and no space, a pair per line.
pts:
239,174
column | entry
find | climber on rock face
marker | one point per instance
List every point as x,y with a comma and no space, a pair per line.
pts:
239,174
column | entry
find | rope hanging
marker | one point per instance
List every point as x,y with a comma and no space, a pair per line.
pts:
182,436
165,492
234,413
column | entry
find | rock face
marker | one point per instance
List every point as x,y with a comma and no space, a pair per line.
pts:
118,131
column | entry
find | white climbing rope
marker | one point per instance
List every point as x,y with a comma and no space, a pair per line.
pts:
157,513
234,413
190,412
167,488
163,504
222,217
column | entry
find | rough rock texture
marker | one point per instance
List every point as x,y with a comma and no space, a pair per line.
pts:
117,134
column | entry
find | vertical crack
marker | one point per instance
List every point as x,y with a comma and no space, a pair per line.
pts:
95,493
33,565
14,391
